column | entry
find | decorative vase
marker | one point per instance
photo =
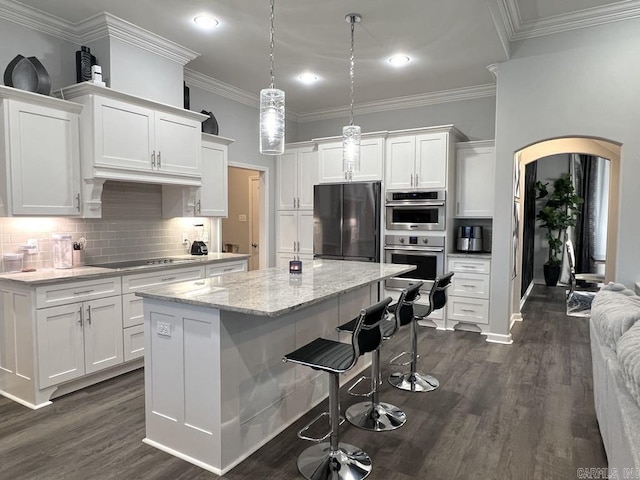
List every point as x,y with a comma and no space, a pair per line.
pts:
551,274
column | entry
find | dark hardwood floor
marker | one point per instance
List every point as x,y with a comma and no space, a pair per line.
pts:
523,411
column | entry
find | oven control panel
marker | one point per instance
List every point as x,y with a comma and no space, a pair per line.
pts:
414,240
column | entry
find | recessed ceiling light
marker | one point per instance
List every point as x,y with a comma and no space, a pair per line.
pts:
308,78
206,21
399,60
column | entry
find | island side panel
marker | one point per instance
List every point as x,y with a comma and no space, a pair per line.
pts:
182,381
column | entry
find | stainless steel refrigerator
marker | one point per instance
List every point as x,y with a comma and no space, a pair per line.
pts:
346,221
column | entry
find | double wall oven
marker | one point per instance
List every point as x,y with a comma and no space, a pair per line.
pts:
421,216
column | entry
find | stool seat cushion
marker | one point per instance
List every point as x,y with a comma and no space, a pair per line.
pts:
323,354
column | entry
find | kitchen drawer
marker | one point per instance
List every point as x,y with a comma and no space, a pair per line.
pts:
132,311
470,285
134,282
71,292
133,342
226,267
472,310
470,265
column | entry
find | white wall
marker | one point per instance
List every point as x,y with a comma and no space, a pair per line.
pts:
57,56
579,83
475,118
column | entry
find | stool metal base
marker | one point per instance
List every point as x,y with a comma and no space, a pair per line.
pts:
414,382
375,417
348,463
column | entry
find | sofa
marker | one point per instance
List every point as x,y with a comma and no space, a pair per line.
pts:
615,355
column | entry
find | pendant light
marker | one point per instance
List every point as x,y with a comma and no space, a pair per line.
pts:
271,108
351,133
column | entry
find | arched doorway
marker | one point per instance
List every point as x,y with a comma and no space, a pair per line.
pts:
582,145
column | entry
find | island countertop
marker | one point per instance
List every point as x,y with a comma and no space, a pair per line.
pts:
274,291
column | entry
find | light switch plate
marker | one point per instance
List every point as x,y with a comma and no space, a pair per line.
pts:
242,218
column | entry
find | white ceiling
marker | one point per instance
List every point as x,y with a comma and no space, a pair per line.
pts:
451,42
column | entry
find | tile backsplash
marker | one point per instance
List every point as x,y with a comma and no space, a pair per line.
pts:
131,227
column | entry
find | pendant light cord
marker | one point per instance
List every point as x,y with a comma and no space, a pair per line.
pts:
271,44
352,67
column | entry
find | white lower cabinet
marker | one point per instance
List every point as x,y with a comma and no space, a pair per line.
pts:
78,339
468,295
132,314
294,232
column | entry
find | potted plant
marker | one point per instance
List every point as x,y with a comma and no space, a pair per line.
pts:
559,212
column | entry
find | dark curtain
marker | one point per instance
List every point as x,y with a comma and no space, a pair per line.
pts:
585,231
529,226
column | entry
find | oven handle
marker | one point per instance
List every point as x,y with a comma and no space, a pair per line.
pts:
414,249
415,204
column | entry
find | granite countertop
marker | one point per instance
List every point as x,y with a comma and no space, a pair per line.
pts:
45,276
274,291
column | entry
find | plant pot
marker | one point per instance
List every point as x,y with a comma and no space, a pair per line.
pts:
552,274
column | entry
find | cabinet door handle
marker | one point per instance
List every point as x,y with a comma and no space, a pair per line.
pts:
89,314
153,159
298,202
80,321
412,179
417,181
457,207
159,159
199,207
83,292
167,279
78,201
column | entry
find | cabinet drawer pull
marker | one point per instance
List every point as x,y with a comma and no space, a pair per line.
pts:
467,310
167,279
83,292
230,269
469,286
469,267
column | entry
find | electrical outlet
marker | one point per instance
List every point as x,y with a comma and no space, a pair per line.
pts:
164,329
185,238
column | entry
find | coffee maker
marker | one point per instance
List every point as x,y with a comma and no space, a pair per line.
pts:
469,238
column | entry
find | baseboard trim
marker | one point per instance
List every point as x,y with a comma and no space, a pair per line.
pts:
24,403
498,338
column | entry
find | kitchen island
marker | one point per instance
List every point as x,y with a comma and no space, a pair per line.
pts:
215,385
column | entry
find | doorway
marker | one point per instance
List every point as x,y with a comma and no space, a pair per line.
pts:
245,229
559,149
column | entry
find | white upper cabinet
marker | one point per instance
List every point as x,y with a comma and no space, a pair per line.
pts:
474,179
211,198
297,173
417,161
131,139
39,154
330,164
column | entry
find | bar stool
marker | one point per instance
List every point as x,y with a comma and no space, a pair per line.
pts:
334,460
375,415
414,381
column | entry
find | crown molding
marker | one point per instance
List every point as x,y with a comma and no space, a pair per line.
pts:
38,20
93,28
502,22
210,84
104,24
445,96
589,17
